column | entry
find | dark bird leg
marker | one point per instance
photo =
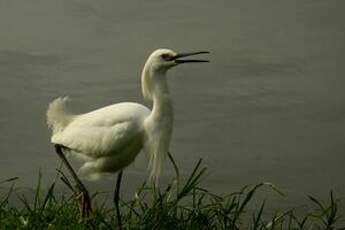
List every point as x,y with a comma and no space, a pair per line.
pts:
117,199
84,198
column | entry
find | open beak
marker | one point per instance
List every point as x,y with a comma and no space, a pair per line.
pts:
182,55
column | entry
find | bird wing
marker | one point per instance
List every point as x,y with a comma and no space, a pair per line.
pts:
104,131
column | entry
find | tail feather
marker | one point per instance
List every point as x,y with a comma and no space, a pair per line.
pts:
57,115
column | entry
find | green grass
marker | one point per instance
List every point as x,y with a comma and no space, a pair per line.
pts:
182,204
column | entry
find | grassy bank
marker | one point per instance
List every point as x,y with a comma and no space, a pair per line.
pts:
180,205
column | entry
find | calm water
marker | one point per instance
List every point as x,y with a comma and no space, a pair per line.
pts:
269,107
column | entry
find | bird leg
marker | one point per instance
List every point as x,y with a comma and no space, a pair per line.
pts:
85,205
83,196
117,199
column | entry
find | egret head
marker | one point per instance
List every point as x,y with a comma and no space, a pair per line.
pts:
164,59
158,63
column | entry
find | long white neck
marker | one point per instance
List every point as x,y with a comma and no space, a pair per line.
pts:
162,105
155,88
160,122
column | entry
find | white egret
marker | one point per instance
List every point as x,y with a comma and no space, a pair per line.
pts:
110,138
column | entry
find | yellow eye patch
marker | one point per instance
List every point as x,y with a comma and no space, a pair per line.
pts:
167,57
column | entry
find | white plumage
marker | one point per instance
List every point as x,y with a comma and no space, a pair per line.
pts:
109,139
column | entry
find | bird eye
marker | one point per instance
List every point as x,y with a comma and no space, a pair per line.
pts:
166,57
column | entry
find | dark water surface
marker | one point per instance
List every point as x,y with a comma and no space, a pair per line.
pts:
269,107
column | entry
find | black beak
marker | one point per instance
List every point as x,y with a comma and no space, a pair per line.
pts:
181,55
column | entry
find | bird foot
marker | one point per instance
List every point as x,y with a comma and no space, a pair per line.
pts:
85,207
